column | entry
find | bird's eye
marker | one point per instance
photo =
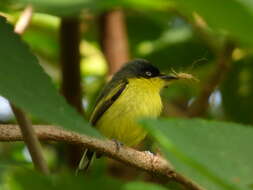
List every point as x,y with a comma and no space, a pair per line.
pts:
148,73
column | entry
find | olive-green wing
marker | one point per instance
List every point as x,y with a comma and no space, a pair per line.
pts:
106,101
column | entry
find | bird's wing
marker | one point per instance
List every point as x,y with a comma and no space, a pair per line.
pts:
106,101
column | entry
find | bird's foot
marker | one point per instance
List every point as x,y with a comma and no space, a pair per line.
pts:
149,153
118,144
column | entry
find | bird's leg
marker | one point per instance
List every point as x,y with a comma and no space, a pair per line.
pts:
118,144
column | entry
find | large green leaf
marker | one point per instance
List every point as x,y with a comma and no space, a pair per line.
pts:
59,7
217,155
21,180
233,17
74,7
25,84
139,185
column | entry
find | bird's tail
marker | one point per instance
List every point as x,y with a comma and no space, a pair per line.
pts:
86,160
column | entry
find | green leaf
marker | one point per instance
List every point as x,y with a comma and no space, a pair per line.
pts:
25,179
25,84
74,7
233,17
2,170
216,155
60,7
139,185
161,5
21,180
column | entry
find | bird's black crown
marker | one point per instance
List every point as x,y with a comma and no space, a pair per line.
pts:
138,68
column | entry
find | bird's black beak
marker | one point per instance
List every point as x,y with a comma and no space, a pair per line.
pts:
168,77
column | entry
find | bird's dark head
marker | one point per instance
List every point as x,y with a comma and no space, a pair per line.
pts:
140,68
143,72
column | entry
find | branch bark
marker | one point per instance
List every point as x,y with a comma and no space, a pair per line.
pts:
200,105
114,39
145,161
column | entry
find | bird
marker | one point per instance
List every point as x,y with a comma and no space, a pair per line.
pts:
132,93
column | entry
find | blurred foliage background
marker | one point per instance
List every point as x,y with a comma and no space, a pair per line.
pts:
81,43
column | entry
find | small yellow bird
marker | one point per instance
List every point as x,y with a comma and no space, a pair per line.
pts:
132,93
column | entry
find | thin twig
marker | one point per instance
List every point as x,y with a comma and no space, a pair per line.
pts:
25,124
31,140
145,161
200,105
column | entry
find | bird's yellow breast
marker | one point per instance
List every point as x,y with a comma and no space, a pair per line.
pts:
141,98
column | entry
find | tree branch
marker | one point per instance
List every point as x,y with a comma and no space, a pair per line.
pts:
142,160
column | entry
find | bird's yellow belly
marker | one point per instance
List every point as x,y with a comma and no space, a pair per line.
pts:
119,122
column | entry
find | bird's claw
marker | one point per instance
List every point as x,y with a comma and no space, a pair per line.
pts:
118,144
149,153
